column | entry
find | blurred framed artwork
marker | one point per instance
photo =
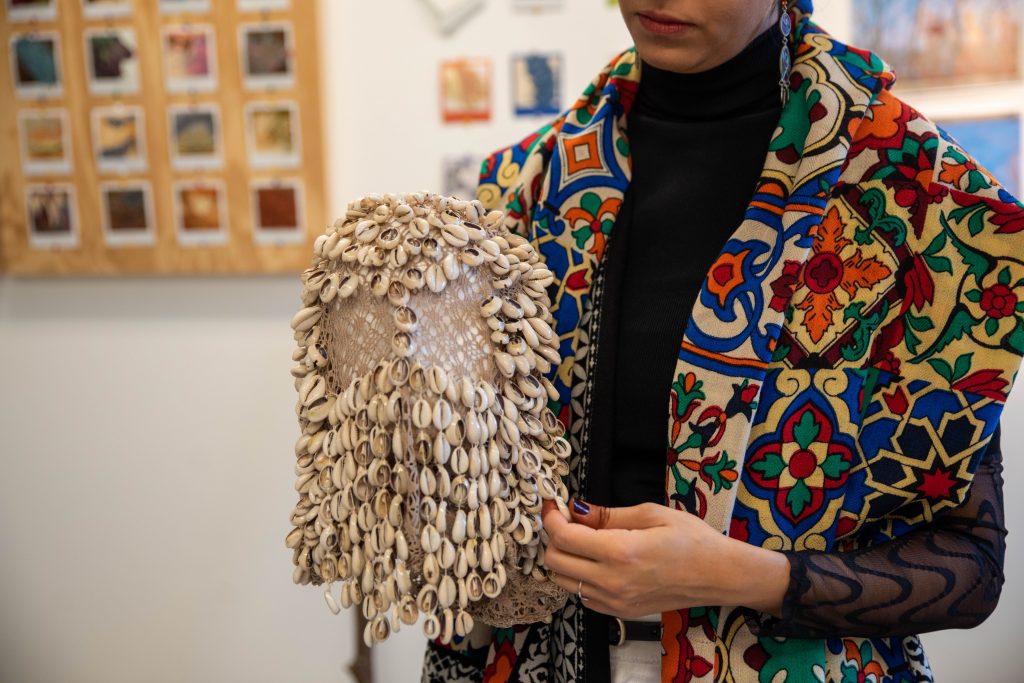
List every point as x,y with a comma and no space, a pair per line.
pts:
52,216
277,211
112,61
195,137
536,80
272,132
943,42
31,10
465,89
127,213
35,64
44,141
119,139
267,55
200,212
190,53
995,142
130,151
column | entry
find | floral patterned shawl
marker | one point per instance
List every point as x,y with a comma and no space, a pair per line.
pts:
845,364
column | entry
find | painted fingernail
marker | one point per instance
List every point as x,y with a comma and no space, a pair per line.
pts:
580,507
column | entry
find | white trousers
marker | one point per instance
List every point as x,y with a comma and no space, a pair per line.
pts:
636,661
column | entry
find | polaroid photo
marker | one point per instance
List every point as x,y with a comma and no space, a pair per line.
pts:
465,90
267,55
35,64
106,9
127,213
31,10
535,83
52,216
272,132
195,137
200,212
262,5
184,6
112,61
460,175
119,139
277,211
45,141
190,58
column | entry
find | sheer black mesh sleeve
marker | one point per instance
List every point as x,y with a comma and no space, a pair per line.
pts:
947,574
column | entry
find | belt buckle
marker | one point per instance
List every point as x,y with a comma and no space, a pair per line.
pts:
622,631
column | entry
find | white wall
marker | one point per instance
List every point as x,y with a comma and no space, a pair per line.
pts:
146,425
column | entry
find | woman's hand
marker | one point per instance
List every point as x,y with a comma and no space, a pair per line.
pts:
650,558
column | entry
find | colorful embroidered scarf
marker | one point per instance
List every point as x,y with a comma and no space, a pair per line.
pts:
844,366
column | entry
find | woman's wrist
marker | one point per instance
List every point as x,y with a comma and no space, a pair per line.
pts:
753,577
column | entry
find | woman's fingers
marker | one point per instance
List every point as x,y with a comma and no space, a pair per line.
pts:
643,516
576,539
563,563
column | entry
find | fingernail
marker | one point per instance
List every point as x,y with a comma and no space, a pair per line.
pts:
580,507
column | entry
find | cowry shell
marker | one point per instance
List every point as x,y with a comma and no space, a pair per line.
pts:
458,533
402,344
401,545
450,266
490,306
455,235
432,626
367,230
435,278
446,591
407,611
442,414
422,414
447,554
462,563
379,284
431,571
430,538
437,379
426,600
332,604
406,319
294,538
306,318
413,278
491,585
397,293
463,623
472,257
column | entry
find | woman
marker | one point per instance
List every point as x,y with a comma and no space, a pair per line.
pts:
845,355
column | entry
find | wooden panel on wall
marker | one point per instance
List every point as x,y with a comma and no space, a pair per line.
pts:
144,180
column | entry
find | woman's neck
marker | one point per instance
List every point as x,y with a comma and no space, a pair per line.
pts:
746,84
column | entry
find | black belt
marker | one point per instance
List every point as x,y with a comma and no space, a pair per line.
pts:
621,630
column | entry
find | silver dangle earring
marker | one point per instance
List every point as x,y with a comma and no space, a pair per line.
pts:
785,60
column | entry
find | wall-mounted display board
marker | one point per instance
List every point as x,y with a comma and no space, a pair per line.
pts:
170,136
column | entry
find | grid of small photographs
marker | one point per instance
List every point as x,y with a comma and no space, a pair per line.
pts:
186,179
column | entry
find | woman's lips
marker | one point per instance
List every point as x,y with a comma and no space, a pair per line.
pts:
662,25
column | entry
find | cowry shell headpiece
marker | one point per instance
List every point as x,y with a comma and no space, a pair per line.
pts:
427,446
